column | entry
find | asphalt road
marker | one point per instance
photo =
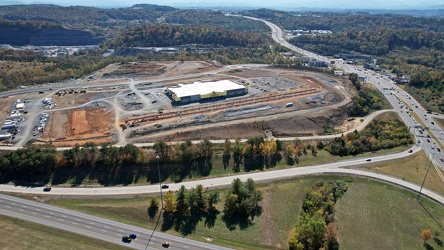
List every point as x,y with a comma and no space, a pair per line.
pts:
92,226
395,97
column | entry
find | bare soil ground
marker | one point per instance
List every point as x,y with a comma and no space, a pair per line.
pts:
5,104
67,128
312,116
146,70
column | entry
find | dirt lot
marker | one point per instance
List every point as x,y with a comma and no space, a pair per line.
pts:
5,104
66,128
145,70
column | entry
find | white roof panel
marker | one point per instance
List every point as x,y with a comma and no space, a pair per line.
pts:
204,88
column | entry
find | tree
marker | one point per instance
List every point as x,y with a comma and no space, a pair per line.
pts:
426,235
153,208
182,204
227,153
212,199
170,201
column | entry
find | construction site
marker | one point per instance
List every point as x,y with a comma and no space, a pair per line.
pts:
140,107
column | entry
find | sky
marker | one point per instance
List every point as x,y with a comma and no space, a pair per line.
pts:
283,4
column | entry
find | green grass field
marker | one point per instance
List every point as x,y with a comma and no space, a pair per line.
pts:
20,234
412,169
371,215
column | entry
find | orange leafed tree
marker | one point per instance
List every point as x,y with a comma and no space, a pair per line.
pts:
426,234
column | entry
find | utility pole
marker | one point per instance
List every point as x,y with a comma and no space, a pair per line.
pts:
160,181
422,185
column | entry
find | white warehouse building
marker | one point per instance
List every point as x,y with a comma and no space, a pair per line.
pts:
205,90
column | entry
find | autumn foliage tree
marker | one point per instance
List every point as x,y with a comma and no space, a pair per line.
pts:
426,235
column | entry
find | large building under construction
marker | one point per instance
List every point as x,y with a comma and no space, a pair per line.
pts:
186,93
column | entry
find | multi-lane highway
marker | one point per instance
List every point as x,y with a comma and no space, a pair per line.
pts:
397,97
93,226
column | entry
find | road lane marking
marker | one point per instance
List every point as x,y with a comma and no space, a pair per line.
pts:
34,213
121,231
88,226
61,219
64,216
12,203
103,230
111,239
92,223
50,212
74,223
185,246
78,220
21,209
47,216
38,209
25,206
105,226
8,206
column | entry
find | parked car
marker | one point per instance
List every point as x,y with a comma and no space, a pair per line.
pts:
126,239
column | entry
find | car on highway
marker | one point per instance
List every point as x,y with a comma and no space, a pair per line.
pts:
439,150
126,239
368,159
441,159
166,244
410,151
428,140
46,189
165,186
133,236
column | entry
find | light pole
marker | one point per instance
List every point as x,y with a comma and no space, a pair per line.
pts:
160,182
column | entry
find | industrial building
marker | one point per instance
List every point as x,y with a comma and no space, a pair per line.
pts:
186,93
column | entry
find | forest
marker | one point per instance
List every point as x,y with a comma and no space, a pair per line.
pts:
163,35
406,45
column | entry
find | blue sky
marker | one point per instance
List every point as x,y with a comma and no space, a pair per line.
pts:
363,4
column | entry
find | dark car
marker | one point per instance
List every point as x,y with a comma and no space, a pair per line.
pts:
368,159
46,189
153,101
166,244
165,186
133,236
410,151
126,239
441,159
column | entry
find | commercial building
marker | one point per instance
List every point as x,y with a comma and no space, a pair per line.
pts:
186,93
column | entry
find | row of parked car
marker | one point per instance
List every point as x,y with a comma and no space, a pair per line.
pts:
40,127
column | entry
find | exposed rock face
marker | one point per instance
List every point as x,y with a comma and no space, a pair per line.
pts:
56,36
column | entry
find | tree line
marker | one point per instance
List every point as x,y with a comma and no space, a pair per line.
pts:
162,35
316,228
111,165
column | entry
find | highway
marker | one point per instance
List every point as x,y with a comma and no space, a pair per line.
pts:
93,226
113,231
395,95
